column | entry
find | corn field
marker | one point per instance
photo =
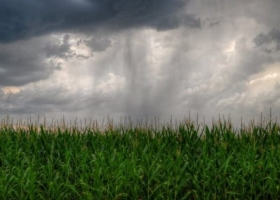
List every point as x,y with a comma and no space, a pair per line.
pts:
187,161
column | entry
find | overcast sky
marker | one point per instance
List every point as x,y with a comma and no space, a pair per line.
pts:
93,58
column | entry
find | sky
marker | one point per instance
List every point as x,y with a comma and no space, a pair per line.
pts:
140,58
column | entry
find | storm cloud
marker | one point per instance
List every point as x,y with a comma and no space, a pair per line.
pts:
269,42
24,62
25,19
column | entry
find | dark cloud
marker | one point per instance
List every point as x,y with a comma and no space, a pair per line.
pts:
97,44
24,62
24,19
269,42
211,22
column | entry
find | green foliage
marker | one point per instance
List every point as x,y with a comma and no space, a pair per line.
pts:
118,162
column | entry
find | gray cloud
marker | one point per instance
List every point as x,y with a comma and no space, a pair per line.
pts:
26,19
59,49
248,62
269,42
49,98
24,62
97,44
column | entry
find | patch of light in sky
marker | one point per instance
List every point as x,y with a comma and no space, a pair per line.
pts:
265,78
231,47
265,81
230,50
9,90
113,83
80,49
